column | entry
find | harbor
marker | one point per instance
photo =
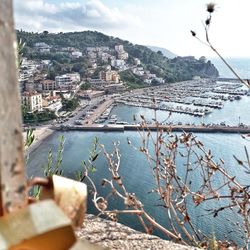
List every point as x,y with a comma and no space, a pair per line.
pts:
197,98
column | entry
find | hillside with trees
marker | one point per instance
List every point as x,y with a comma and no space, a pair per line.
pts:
171,70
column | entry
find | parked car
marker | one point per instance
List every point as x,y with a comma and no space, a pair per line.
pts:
77,122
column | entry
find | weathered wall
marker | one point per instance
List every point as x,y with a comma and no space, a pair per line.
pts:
117,236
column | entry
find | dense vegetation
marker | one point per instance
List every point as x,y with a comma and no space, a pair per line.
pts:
177,69
133,81
37,117
70,105
85,86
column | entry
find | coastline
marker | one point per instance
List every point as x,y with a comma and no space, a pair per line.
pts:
40,134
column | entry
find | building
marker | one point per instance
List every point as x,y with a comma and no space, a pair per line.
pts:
121,53
94,66
92,55
148,81
114,88
97,49
29,65
76,54
138,71
90,94
42,47
45,63
52,103
68,49
96,81
110,76
31,85
119,48
117,63
159,80
137,61
75,77
67,80
122,56
48,85
32,100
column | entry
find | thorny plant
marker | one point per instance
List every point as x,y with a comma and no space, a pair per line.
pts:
174,185
53,166
20,48
210,9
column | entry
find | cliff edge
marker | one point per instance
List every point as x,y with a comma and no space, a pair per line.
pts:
113,235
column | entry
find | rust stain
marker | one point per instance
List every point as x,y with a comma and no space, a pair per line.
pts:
1,23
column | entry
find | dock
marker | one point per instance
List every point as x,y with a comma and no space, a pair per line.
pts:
174,128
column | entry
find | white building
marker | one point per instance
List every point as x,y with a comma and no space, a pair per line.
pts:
52,103
138,71
67,80
122,56
117,63
159,80
119,48
149,81
42,47
121,53
137,61
76,54
32,100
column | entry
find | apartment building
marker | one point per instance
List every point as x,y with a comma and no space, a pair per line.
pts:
48,85
42,47
52,103
110,76
32,100
121,53
67,80
76,54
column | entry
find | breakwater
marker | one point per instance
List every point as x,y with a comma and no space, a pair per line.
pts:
175,128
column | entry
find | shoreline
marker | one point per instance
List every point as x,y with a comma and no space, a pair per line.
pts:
40,135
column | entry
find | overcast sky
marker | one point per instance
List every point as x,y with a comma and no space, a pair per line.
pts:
163,23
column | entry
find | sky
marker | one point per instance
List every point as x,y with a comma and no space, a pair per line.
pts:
163,23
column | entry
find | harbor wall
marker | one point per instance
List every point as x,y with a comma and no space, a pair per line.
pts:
122,128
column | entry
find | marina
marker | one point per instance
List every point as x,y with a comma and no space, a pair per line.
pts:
196,98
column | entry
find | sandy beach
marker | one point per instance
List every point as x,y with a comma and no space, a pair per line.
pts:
40,133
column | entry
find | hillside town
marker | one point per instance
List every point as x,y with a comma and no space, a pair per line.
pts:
40,92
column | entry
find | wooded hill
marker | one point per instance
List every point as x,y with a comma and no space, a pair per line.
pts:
172,70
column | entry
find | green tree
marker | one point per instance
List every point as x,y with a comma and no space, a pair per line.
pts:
85,86
71,104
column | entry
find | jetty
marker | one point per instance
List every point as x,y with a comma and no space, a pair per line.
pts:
174,128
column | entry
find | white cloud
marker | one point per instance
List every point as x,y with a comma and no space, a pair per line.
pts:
163,23
67,16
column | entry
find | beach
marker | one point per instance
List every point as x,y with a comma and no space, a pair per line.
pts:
40,133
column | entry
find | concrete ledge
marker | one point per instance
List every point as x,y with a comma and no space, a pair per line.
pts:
117,236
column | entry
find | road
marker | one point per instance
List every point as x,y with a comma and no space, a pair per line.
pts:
100,110
81,111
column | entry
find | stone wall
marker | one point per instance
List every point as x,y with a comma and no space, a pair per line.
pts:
117,236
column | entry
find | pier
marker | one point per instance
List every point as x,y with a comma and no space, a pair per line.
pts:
174,128
224,79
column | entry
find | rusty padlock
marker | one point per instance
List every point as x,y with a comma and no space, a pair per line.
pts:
39,226
70,196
